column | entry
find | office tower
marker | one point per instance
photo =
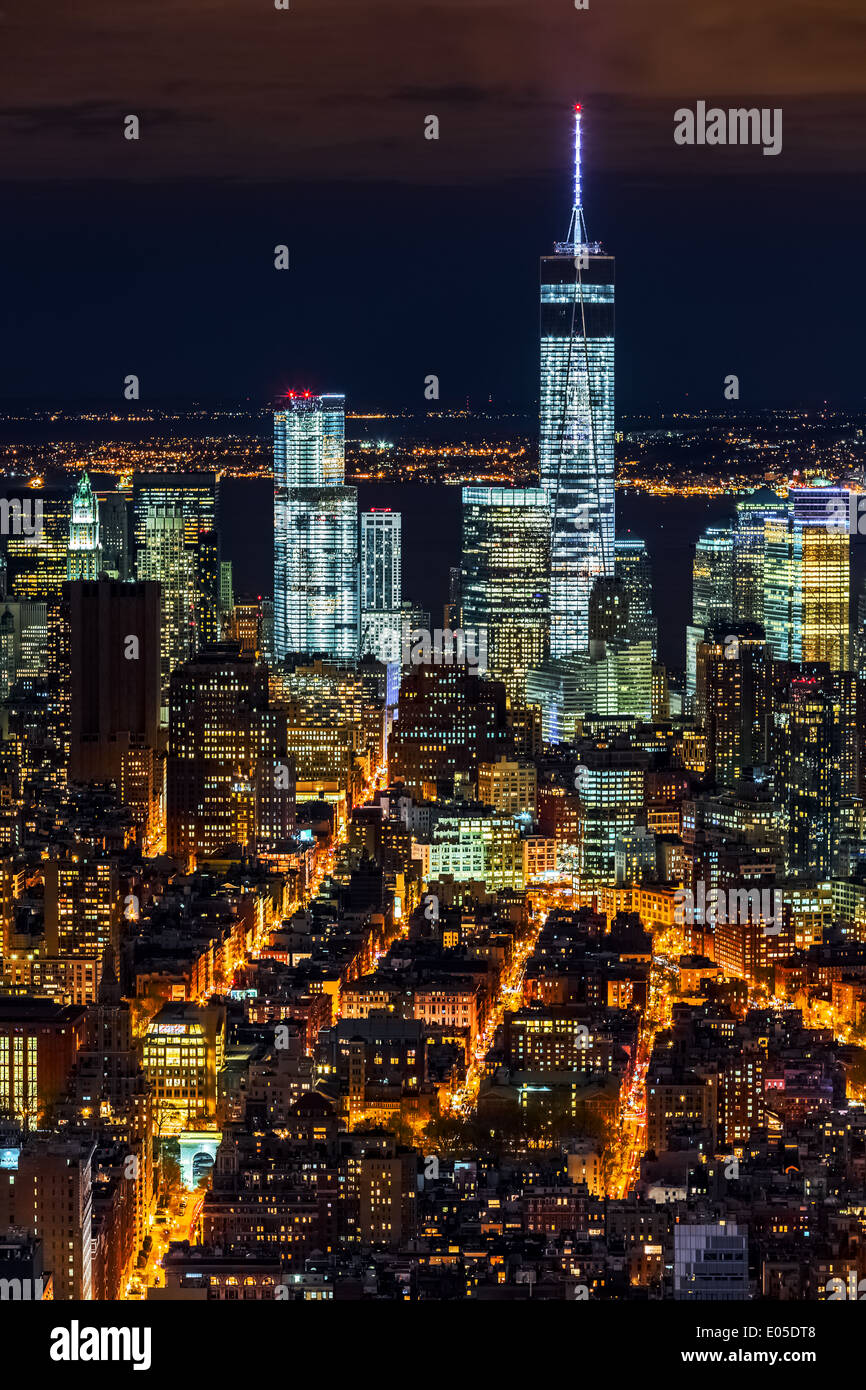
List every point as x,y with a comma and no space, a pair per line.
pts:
381,584
37,571
608,610
83,905
633,568
749,547
36,564
224,738
49,1193
712,593
195,495
114,662
505,578
734,698
807,578
613,680
23,643
8,659
557,688
713,576
449,720
807,756
577,421
208,620
334,719
85,551
611,786
167,558
316,599
114,534
381,634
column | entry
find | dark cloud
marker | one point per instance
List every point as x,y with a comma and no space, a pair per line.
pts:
327,89
87,118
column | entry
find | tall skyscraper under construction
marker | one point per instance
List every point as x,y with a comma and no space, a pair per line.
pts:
577,420
316,608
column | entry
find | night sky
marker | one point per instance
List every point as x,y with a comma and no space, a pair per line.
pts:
409,256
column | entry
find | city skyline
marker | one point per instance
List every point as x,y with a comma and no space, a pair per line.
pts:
433,749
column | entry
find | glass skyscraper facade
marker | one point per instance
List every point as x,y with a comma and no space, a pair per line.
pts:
633,568
195,495
505,582
316,598
576,440
807,578
167,558
712,593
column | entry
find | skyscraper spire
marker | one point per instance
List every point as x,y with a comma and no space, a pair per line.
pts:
577,230
84,552
577,420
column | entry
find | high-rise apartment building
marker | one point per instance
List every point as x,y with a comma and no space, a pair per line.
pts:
381,559
449,720
577,421
734,697
381,584
83,905
48,1192
316,599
